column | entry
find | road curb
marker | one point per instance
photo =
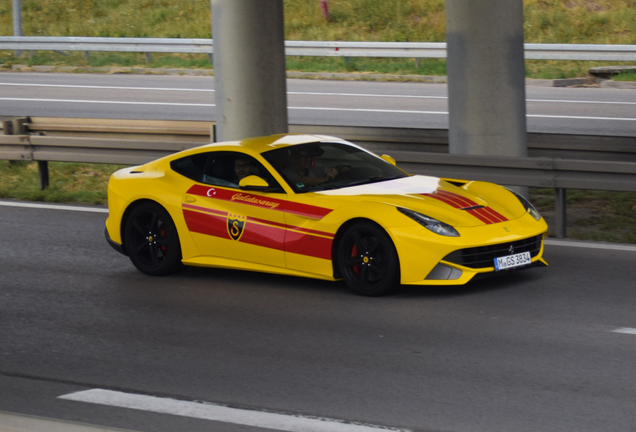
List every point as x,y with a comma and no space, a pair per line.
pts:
340,76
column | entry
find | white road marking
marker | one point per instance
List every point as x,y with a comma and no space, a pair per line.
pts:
94,87
208,411
580,117
366,95
580,101
590,245
368,110
53,207
105,102
625,330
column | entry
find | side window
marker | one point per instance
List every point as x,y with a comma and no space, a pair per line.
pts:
191,167
223,169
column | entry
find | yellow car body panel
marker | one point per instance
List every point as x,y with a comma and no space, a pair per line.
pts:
285,232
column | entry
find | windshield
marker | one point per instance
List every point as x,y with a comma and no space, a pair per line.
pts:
324,165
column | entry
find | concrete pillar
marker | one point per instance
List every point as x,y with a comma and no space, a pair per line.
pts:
249,68
486,77
17,22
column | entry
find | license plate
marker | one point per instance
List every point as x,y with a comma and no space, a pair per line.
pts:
511,261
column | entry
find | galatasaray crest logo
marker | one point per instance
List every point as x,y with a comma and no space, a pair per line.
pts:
235,226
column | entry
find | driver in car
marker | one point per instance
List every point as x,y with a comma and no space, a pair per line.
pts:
304,170
243,167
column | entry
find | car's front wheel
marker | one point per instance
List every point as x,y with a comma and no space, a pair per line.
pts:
151,240
367,260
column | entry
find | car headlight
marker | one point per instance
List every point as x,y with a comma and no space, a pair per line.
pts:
429,223
526,204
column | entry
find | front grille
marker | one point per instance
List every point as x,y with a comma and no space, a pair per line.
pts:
483,256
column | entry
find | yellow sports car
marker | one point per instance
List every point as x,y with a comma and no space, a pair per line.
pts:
319,207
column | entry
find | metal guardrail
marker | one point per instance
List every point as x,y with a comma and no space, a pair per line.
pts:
168,136
417,50
418,151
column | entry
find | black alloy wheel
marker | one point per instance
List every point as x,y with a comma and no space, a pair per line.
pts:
152,241
367,260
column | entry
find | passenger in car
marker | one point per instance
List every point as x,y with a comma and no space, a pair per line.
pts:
304,170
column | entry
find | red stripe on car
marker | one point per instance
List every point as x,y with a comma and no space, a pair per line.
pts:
260,232
443,199
305,244
476,213
484,214
462,201
495,214
212,224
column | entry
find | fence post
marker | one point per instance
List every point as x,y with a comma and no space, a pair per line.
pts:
17,22
148,57
18,125
43,174
560,211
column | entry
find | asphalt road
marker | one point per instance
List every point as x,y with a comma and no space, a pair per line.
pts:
593,111
530,351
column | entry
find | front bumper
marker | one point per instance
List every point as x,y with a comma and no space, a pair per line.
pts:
429,259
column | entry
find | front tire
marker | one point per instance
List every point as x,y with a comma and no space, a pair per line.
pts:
152,241
367,260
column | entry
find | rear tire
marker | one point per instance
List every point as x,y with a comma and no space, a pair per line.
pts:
367,260
152,241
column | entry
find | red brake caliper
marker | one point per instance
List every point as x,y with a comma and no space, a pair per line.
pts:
354,252
164,248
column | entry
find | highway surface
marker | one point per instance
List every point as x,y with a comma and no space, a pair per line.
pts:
547,349
592,111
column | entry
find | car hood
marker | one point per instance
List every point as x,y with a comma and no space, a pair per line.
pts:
458,203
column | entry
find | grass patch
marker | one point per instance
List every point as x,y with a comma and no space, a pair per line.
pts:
68,182
181,61
105,59
369,65
592,215
625,76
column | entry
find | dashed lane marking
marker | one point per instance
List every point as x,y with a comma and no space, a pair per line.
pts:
625,330
213,412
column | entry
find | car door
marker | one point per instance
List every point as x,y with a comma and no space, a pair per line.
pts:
233,226
308,241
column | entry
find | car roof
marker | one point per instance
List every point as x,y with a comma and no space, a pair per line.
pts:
271,142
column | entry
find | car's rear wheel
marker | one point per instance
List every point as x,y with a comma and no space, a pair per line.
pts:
152,241
367,260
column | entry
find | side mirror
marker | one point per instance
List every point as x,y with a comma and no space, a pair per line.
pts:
389,159
254,182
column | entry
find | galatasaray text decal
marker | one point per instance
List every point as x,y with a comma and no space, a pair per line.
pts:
254,200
